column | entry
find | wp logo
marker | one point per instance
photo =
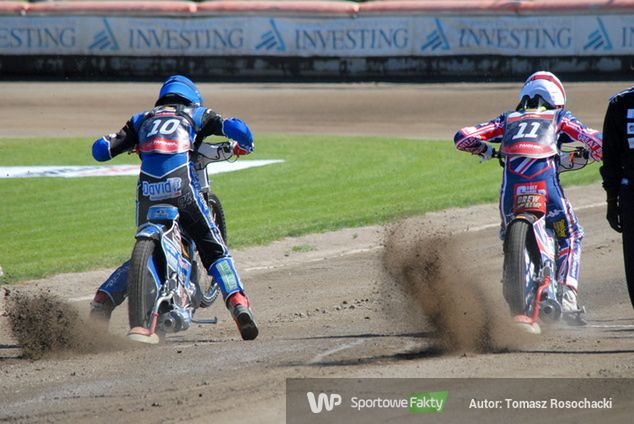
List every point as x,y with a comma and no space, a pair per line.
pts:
323,400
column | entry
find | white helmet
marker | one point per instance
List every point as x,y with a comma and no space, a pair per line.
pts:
546,85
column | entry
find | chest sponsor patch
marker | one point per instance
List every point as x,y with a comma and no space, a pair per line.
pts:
167,189
630,127
630,141
630,114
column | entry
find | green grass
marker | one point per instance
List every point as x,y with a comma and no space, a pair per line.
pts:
54,225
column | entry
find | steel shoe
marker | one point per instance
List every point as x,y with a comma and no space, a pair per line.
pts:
240,309
571,310
101,308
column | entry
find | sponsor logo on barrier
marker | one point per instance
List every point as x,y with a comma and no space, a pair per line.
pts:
352,39
627,37
412,35
541,38
598,39
104,39
272,39
26,36
436,40
159,37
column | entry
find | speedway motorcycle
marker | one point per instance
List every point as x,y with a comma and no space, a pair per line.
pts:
167,282
530,285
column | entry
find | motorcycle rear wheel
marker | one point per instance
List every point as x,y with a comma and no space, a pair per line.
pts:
142,290
208,289
218,214
521,262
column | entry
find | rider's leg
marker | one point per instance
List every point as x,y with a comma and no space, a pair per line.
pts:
569,233
215,256
224,273
110,294
626,201
115,289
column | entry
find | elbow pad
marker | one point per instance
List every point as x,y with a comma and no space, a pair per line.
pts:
101,150
236,129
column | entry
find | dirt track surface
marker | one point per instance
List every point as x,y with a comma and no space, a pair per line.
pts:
331,312
433,111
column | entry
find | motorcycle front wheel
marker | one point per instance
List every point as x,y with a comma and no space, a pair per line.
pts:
142,290
521,264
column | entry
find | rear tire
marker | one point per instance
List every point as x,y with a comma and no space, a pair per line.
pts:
208,290
218,214
142,290
521,261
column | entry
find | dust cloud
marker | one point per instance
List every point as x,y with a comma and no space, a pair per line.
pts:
44,326
432,271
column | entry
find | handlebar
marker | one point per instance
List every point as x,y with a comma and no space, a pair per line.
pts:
570,158
578,152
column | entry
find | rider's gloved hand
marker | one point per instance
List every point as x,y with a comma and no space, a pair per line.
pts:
237,130
487,153
237,150
614,214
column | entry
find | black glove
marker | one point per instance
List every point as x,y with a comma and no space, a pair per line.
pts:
614,214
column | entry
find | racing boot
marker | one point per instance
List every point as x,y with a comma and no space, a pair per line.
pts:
571,312
240,308
101,308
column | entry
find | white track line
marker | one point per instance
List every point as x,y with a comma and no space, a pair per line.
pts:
80,299
611,326
312,260
321,356
489,226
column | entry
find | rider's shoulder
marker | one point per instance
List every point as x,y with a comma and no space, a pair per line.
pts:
138,118
622,94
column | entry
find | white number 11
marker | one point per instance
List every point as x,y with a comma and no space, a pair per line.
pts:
531,134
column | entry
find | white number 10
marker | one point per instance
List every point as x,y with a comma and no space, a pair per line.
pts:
167,128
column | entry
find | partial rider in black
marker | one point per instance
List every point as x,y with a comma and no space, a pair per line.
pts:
618,174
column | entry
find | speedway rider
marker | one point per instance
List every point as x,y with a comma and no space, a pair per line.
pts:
164,138
531,137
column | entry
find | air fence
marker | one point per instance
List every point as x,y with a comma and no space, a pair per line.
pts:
389,39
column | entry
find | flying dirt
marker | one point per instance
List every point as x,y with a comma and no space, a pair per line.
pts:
45,325
432,269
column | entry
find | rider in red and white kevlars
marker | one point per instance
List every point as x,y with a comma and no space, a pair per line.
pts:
530,137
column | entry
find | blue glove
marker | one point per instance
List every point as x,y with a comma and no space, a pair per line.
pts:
101,150
236,129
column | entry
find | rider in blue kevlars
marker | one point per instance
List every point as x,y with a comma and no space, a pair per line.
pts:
164,138
530,139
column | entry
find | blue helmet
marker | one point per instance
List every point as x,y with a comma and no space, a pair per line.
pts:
182,87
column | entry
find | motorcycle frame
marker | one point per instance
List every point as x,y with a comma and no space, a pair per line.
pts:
176,288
